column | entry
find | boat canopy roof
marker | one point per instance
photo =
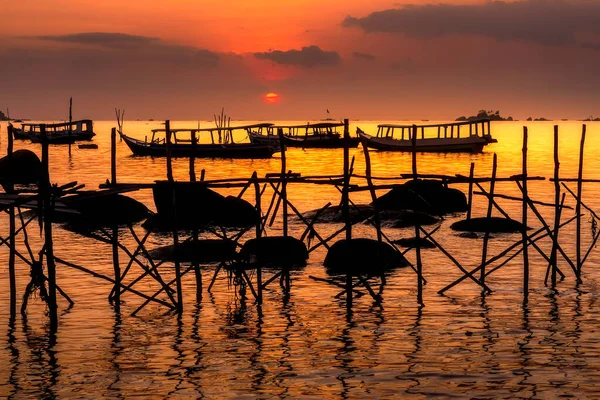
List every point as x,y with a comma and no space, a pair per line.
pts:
475,121
226,128
60,124
313,125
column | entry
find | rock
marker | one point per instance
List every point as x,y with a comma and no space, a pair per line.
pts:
202,251
24,167
404,219
198,206
334,214
492,225
428,196
362,257
96,211
275,251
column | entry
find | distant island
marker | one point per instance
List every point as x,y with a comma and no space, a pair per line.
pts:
483,114
592,119
3,117
538,119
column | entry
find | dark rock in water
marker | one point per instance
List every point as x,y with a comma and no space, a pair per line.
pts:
429,196
404,219
97,210
469,235
275,251
362,257
493,225
202,251
334,214
412,242
23,168
197,206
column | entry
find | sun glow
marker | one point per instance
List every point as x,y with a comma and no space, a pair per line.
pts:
271,98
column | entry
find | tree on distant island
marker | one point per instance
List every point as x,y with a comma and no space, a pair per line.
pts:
3,117
483,114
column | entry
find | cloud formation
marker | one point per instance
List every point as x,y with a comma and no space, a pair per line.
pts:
308,57
363,56
545,22
145,47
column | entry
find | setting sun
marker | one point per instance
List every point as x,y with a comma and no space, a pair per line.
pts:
271,98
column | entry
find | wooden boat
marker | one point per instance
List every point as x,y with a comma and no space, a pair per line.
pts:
183,146
315,135
65,132
448,138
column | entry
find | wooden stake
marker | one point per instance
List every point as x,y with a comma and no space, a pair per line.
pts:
524,220
12,276
48,245
113,156
193,156
116,266
470,198
579,201
346,206
283,182
168,150
553,260
417,226
257,194
486,237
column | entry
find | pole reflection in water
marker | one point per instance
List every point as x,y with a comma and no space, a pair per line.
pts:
412,358
116,349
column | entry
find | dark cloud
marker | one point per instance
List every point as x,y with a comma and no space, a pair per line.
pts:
308,57
363,56
104,39
144,47
545,22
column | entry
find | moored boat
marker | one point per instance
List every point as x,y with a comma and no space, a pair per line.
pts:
448,138
182,144
315,135
64,132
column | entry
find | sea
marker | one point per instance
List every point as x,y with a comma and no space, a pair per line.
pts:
309,344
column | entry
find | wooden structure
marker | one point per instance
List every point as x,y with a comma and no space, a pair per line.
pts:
256,277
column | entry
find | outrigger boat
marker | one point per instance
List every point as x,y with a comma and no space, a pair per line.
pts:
182,144
448,137
64,132
316,135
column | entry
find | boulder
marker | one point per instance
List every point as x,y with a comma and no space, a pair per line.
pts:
362,256
429,196
491,225
275,251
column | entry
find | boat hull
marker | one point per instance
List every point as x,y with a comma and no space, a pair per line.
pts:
236,150
473,144
309,141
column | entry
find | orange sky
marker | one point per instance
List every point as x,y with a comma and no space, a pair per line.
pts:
376,59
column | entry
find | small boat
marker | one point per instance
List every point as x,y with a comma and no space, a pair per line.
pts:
182,145
448,138
61,133
315,135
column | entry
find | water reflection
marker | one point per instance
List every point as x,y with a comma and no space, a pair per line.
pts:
116,349
412,358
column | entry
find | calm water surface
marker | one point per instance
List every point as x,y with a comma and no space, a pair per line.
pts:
458,345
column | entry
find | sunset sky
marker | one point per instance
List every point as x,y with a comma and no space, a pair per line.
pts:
185,59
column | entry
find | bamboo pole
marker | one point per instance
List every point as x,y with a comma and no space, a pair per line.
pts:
346,207
470,198
48,244
579,201
283,182
116,267
553,260
257,194
113,156
417,226
197,272
12,276
168,150
486,237
193,156
524,219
